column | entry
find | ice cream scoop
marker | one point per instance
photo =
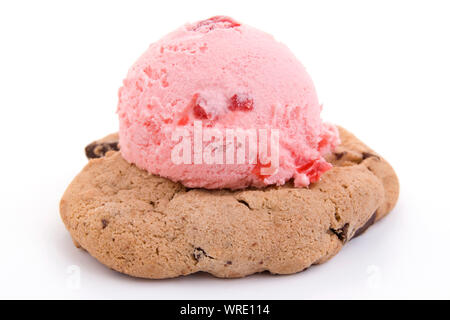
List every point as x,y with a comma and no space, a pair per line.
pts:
215,79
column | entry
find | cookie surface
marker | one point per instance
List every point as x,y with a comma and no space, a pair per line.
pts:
148,226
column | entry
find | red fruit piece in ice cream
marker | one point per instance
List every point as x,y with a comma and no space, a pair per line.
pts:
240,102
197,109
257,169
217,22
314,169
199,112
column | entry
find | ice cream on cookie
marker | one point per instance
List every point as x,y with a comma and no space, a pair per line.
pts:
222,159
227,76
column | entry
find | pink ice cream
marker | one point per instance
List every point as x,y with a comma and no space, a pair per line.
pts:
228,76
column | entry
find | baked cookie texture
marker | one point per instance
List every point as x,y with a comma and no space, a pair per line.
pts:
150,227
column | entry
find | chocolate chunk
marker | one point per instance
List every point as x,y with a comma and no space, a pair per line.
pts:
366,226
104,223
229,262
341,233
99,149
199,253
339,155
366,155
245,203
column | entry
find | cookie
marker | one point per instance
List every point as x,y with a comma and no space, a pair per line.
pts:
150,227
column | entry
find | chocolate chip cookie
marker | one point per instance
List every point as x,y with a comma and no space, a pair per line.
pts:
150,227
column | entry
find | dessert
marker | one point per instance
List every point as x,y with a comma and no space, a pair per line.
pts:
159,200
228,76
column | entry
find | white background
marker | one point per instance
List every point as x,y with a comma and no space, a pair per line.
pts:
381,69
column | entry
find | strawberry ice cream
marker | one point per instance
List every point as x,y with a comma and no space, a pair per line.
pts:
219,74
